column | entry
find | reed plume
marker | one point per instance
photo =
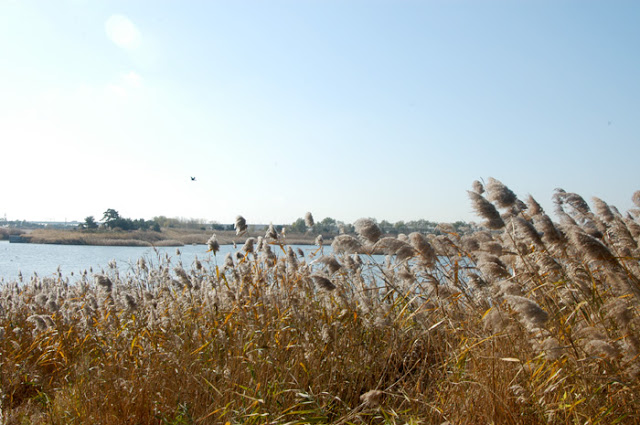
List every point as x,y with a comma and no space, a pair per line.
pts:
240,225
530,312
591,248
308,220
424,248
636,198
248,246
487,211
368,230
213,244
477,187
322,282
533,207
346,244
372,398
603,210
271,233
330,262
500,194
392,246
104,282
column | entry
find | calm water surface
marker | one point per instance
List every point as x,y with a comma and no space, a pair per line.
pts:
44,259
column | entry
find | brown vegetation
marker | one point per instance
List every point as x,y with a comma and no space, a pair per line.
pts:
6,232
532,322
167,237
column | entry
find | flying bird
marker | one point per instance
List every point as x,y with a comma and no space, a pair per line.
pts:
193,179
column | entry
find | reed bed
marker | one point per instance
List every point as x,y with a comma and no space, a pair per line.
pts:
528,321
167,237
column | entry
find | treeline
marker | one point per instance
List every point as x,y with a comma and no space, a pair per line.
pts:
112,220
327,226
331,226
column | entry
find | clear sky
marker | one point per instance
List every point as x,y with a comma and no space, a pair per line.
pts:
348,109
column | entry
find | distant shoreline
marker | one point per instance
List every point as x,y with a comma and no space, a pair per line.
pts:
166,237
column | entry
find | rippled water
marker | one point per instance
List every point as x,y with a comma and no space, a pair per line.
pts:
45,260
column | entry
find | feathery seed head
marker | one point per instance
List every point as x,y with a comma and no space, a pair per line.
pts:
271,233
591,248
372,398
392,246
492,267
214,245
260,244
577,202
423,247
486,210
240,225
322,282
39,322
130,302
52,306
228,261
142,264
319,240
183,276
368,230
477,187
603,210
533,207
552,348
601,348
530,312
550,234
525,230
330,261
248,245
104,282
500,194
346,244
308,220
636,198
291,258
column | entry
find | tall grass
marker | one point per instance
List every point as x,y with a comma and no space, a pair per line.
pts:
528,322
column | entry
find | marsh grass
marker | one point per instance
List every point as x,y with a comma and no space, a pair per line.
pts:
167,237
533,322
5,233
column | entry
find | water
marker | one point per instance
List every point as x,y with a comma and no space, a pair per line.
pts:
44,259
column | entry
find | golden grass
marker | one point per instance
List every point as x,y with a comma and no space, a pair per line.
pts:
167,237
501,327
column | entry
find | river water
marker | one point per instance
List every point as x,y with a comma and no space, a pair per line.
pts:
26,258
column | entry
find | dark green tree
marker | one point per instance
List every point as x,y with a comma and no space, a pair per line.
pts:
298,226
90,223
110,218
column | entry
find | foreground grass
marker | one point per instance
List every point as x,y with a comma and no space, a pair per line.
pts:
533,322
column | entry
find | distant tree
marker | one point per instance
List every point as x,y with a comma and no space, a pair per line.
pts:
298,226
90,223
217,226
162,221
385,226
141,224
110,218
400,227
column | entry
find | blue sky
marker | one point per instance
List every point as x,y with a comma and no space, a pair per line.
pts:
347,109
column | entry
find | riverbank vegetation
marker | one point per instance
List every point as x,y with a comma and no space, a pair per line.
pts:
165,237
526,321
163,231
